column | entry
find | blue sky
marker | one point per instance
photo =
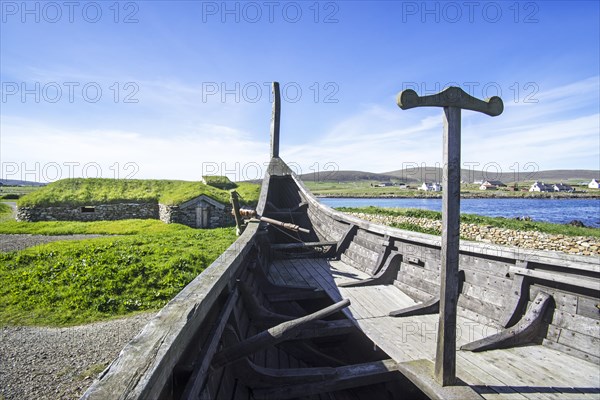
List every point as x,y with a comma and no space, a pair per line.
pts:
156,89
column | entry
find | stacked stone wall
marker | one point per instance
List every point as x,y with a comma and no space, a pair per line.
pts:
582,245
101,212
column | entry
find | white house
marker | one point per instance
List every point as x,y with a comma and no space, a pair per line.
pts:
594,184
431,187
541,187
561,187
488,187
494,183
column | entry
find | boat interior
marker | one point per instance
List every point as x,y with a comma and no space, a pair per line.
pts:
350,310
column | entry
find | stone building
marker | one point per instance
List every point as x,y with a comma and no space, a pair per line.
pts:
199,212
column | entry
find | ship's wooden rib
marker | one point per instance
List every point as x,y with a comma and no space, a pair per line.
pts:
524,332
343,378
277,334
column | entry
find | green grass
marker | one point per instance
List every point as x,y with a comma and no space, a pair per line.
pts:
122,227
221,182
94,191
5,209
5,212
498,222
72,282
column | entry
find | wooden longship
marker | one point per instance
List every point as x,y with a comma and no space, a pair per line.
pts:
351,309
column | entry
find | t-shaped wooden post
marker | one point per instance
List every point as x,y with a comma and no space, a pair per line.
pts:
453,99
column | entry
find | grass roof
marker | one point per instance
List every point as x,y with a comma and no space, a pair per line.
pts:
95,191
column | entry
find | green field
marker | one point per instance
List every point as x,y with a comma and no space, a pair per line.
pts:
15,192
498,222
72,282
94,191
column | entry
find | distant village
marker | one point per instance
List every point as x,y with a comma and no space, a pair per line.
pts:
495,185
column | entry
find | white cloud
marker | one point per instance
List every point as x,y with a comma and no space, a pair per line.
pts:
561,131
32,151
549,133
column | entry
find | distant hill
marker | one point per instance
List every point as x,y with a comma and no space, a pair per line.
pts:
433,174
12,182
348,176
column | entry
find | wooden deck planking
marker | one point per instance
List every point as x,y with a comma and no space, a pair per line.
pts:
530,386
529,372
484,383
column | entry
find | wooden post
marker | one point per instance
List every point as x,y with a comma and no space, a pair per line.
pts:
453,99
235,205
275,118
445,366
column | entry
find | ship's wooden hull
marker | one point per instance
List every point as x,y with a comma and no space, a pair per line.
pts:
528,322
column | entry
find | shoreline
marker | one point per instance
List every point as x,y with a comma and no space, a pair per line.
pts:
583,196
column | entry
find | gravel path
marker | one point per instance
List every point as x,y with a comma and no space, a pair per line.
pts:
60,363
22,241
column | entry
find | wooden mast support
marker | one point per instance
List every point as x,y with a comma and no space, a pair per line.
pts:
452,99
235,205
275,118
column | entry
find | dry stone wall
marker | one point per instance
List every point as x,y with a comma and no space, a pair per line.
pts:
102,212
582,245
216,217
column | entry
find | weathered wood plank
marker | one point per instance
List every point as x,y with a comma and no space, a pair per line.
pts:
579,341
484,383
421,373
286,246
577,323
421,273
346,377
431,306
534,382
571,351
350,261
588,307
493,364
272,336
566,279
485,294
415,293
199,374
497,283
416,282
275,119
479,306
564,301
553,362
